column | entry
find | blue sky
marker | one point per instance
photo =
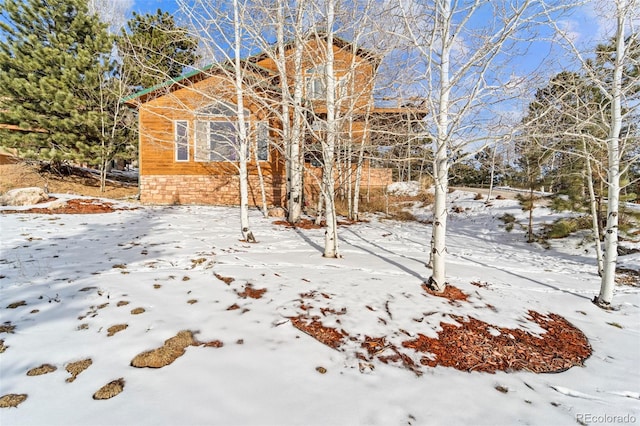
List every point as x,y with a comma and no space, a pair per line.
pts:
150,6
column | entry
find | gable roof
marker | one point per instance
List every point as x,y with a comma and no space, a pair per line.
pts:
191,77
196,75
339,42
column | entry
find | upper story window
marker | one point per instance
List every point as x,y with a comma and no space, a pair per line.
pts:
316,82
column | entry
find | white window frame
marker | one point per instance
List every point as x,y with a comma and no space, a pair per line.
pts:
179,144
225,112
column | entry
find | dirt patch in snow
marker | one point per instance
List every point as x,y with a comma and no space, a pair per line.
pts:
110,390
75,206
251,292
77,367
21,174
43,369
12,400
172,349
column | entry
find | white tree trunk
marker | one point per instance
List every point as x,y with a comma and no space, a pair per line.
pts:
439,227
441,157
263,192
593,204
613,173
329,145
296,194
359,165
242,132
493,169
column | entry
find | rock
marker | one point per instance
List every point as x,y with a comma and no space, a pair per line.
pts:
57,204
24,197
276,212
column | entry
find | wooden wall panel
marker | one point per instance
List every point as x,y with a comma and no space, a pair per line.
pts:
156,121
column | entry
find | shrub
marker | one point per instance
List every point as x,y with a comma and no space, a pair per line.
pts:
564,227
427,198
561,228
508,218
426,182
402,215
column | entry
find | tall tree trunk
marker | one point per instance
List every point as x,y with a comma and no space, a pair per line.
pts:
493,168
613,173
530,227
263,192
359,165
245,229
441,160
294,122
328,149
593,204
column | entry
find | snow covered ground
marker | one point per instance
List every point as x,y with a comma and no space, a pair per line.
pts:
74,274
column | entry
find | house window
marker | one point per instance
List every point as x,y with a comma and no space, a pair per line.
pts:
316,82
181,137
262,140
218,140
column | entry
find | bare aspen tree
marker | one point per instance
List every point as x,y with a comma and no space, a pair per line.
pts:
112,12
619,86
241,128
624,12
292,103
461,50
330,140
286,21
221,31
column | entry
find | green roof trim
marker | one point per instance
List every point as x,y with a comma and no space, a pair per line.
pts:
188,75
167,83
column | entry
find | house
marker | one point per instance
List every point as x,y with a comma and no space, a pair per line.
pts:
188,140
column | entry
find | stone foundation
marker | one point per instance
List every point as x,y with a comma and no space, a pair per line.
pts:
225,189
206,189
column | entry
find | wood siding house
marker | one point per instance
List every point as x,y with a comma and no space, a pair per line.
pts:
187,127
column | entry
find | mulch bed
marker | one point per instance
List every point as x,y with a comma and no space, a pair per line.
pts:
450,292
251,292
470,345
475,345
314,328
75,206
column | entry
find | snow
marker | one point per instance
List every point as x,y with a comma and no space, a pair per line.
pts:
68,266
411,188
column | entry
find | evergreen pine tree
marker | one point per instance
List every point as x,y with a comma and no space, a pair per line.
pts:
53,58
155,49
